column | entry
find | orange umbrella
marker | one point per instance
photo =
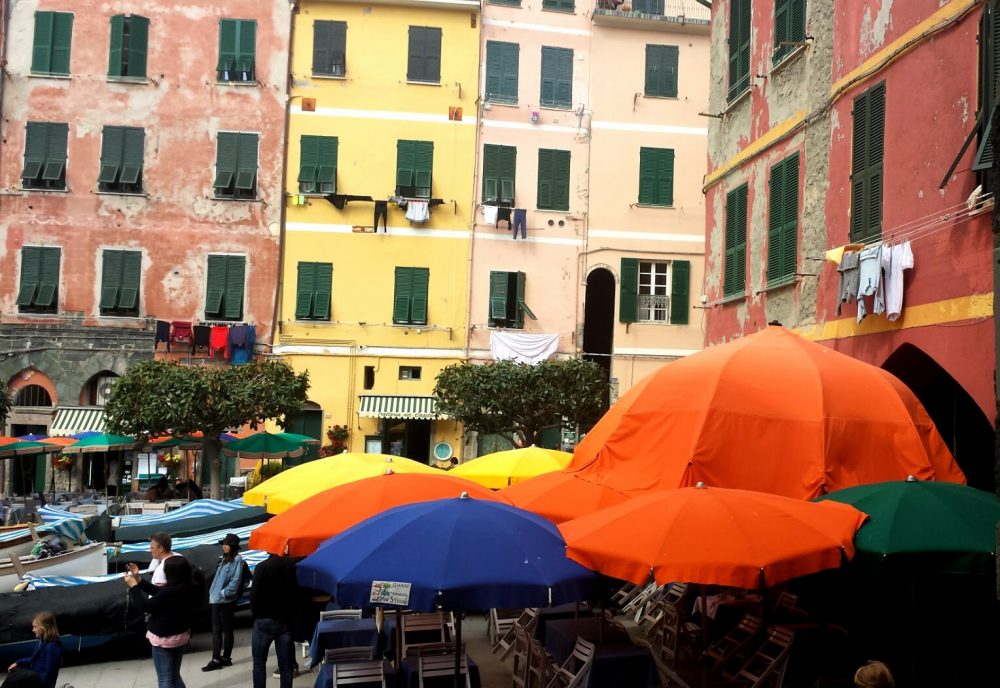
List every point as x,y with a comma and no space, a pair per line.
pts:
712,536
10,440
59,441
300,529
562,495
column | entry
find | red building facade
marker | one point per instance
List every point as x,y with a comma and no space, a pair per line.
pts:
839,122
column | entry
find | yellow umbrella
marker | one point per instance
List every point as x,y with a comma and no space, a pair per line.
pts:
501,469
297,484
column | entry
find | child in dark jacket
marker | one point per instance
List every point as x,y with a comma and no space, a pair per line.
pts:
41,669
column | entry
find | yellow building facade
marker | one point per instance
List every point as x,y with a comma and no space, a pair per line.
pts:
377,231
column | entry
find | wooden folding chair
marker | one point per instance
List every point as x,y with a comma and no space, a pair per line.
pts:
352,614
367,673
786,608
575,671
734,647
428,649
637,606
677,636
768,664
528,620
500,622
541,665
348,654
522,657
442,667
418,629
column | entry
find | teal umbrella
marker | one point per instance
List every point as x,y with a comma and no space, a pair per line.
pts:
925,526
26,448
181,442
101,442
294,437
264,445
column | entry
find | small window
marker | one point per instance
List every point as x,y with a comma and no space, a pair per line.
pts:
33,396
661,71
369,377
553,179
122,153
224,287
53,35
45,156
557,77
507,300
783,220
120,275
735,269
739,48
236,165
237,48
409,305
656,176
414,168
558,5
329,48
789,27
312,292
502,72
655,291
409,372
424,54
499,163
318,165
129,44
39,288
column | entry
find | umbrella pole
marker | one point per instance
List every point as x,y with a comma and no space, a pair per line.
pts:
398,632
704,617
458,650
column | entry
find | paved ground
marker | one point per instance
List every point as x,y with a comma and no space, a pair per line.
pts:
138,673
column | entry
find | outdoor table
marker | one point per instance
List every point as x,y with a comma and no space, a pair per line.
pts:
562,635
324,677
334,633
408,676
562,611
618,663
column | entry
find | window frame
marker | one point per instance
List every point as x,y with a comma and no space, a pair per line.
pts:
739,48
422,65
507,304
557,78
121,282
38,282
241,157
318,164
232,62
504,56
789,27
414,168
503,176
334,44
129,50
867,163
558,6
661,59
314,291
48,57
410,296
119,160
40,155
676,288
783,221
234,275
735,243
656,176
548,159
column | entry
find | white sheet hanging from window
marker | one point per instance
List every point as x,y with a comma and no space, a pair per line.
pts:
521,347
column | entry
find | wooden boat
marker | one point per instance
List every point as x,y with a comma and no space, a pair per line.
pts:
87,560
17,541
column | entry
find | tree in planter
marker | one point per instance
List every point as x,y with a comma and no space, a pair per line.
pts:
521,401
159,397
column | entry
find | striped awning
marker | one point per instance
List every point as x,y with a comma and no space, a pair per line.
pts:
388,406
70,420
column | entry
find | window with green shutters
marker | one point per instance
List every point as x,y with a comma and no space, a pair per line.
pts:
423,61
557,77
558,5
414,168
329,48
735,266
224,287
236,165
51,47
648,6
656,176
313,290
989,85
237,50
318,165
502,72
661,70
499,164
783,220
120,275
122,152
129,44
409,301
866,163
654,291
789,27
739,47
45,155
39,288
507,302
553,179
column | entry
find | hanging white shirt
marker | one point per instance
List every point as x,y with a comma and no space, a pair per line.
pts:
895,259
489,214
417,211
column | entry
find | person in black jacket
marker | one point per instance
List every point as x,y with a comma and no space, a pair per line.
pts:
171,609
274,598
41,669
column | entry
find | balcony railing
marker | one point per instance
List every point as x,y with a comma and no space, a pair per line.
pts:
672,12
653,308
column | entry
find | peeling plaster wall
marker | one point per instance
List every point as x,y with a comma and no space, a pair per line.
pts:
178,222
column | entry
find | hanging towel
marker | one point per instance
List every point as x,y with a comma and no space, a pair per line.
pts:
489,214
219,341
180,333
202,335
162,334
417,211
521,347
895,259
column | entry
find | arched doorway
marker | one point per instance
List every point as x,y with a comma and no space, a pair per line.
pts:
97,390
32,411
599,320
308,422
967,432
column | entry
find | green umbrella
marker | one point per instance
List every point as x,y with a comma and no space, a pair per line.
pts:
301,439
181,442
101,442
925,526
25,448
264,445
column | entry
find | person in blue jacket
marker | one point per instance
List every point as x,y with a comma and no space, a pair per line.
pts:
41,669
222,597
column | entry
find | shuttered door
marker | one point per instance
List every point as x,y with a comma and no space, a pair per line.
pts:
235,278
305,289
628,302
419,294
41,51
116,58
557,77
401,296
215,282
128,297
680,287
423,160
324,289
111,275
31,275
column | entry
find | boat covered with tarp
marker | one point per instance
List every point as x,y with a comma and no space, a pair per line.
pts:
194,518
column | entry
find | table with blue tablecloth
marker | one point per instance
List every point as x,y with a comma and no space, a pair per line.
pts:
336,633
324,676
408,675
618,663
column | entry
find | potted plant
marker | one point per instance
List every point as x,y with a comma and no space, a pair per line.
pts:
62,462
337,434
172,460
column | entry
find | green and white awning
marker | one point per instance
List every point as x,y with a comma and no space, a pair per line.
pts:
69,420
390,406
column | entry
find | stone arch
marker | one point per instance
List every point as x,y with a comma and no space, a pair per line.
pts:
29,377
93,392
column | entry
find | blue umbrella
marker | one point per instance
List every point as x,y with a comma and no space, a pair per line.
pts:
85,434
454,554
33,438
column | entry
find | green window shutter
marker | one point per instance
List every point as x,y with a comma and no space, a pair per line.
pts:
116,58
112,150
227,145
741,238
305,290
545,174
246,162
246,47
62,37
48,286
55,154
557,77
401,296
736,225
790,216
322,45
560,180
782,15
138,45
324,288
859,156
235,275
326,173
498,298
509,71
41,51
508,172
35,150
423,168
665,177
419,291
227,46
647,175
128,299
521,305
405,166
215,287
308,164
111,280
984,154
491,173
432,54
416,55
656,176
133,155
628,307
989,74
774,222
661,70
797,21
739,47
494,69
876,147
680,287
31,275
